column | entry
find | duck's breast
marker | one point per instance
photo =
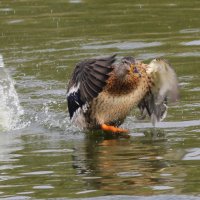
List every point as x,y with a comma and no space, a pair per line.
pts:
107,108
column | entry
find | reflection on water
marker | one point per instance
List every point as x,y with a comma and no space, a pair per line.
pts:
42,156
42,164
123,166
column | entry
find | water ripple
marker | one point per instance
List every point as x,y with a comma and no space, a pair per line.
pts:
168,124
191,43
193,154
128,174
38,173
54,151
43,187
161,187
122,45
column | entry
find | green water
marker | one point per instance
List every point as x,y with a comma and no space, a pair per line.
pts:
44,156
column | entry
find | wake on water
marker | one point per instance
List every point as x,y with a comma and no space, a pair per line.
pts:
10,109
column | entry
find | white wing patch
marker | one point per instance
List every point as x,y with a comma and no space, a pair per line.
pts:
78,118
73,89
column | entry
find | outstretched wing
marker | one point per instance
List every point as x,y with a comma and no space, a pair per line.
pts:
163,88
88,80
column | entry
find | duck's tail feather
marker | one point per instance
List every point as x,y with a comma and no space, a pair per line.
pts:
162,88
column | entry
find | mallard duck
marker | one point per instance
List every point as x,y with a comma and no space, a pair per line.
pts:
102,92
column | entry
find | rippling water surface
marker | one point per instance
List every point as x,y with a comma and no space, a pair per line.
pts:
42,156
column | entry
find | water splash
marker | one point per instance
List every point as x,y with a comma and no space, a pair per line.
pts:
52,119
10,109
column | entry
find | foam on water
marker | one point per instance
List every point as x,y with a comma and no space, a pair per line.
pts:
10,109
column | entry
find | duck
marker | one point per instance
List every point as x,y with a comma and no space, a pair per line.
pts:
102,91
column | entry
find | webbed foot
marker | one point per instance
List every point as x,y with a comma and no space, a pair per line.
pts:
113,129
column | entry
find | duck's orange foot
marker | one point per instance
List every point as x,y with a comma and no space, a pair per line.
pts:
113,129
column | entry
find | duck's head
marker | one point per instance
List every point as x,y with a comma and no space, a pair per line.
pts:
127,67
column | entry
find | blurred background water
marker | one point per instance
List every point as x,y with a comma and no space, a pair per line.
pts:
41,154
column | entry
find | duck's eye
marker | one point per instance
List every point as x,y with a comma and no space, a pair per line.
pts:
124,62
157,59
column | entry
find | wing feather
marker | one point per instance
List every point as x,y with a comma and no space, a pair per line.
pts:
164,88
88,80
